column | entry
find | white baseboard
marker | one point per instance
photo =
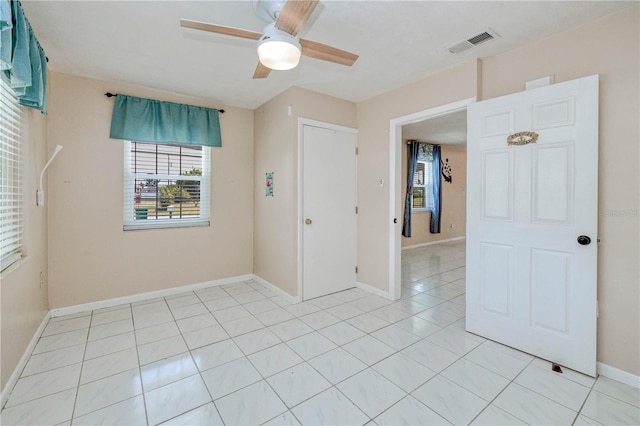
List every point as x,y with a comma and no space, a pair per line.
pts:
278,290
431,243
374,290
68,310
618,375
8,387
84,307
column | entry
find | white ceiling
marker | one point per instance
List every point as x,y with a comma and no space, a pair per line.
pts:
447,129
399,42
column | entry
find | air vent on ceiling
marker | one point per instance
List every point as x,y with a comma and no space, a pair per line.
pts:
474,40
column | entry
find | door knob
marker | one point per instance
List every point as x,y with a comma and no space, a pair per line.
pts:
583,240
307,221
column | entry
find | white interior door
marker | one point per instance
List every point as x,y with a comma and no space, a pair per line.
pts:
329,199
531,277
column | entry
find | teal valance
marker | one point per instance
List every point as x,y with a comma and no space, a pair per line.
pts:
148,120
22,59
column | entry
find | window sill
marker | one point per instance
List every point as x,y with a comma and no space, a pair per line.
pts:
13,266
138,226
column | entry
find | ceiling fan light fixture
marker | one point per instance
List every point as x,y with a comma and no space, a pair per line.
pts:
278,50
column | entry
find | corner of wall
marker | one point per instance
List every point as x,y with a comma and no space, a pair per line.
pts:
24,290
479,79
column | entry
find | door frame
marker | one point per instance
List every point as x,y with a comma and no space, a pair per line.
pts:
395,179
300,179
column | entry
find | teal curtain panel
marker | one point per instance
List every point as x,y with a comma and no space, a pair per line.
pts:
22,59
148,120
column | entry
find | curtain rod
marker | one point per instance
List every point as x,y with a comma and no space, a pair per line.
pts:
110,95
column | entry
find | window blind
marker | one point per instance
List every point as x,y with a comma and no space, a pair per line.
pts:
422,196
165,185
11,202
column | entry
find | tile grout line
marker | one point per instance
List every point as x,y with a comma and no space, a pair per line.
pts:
200,371
135,342
189,351
84,354
502,391
591,389
198,368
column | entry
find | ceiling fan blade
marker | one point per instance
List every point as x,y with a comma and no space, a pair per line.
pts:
294,15
324,52
261,71
219,29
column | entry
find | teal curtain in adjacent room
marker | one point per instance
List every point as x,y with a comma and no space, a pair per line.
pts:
148,120
21,57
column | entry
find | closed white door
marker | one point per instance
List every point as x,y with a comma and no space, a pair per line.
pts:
329,198
532,222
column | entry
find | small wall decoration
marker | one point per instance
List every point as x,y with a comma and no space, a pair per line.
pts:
446,170
269,185
522,138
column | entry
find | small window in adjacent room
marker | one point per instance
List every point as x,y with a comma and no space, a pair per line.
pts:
422,197
11,192
165,185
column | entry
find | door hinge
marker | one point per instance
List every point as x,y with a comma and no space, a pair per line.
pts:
356,269
356,209
356,150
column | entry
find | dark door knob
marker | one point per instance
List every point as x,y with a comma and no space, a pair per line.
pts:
583,240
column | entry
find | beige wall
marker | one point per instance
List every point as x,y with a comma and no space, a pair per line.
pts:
276,150
609,47
274,243
453,219
453,85
90,257
23,298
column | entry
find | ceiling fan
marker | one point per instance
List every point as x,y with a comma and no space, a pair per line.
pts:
278,46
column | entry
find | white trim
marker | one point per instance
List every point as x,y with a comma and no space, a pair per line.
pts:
129,206
321,124
618,375
432,243
289,298
13,379
165,224
84,307
395,152
374,290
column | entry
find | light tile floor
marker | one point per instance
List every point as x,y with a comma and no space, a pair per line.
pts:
240,355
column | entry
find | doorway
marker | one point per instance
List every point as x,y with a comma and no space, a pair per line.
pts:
411,125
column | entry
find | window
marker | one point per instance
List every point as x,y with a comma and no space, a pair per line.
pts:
11,203
165,185
422,196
